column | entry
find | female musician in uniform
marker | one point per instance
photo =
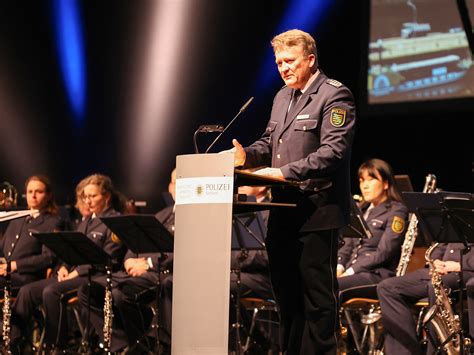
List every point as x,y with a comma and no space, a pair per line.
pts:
99,194
28,258
366,261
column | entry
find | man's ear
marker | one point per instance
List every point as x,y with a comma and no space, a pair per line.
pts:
312,61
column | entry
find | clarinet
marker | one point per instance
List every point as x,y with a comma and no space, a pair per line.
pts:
6,309
412,232
108,312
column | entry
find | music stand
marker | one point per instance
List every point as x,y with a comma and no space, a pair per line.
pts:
357,227
75,248
248,233
143,234
432,214
460,211
442,215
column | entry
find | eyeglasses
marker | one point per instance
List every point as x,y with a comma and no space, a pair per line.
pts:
90,197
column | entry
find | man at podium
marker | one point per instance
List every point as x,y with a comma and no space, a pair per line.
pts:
308,139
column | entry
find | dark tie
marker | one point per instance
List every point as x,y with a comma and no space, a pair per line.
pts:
294,100
296,96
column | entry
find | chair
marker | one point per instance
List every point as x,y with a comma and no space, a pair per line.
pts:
270,319
72,301
371,338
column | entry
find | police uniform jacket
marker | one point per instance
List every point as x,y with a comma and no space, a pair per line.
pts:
102,236
310,143
18,244
381,253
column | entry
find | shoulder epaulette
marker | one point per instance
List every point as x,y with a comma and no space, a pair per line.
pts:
334,83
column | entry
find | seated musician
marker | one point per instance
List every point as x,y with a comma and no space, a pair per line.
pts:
397,296
99,195
29,258
131,318
364,262
470,305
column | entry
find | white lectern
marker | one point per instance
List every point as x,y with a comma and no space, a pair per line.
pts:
202,247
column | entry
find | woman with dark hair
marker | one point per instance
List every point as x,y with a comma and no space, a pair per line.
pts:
364,262
97,193
28,258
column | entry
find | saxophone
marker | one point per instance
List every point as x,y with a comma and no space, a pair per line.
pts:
108,313
412,231
445,324
6,311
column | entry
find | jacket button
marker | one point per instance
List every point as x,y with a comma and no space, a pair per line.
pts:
304,128
17,236
280,141
278,156
451,251
13,244
9,253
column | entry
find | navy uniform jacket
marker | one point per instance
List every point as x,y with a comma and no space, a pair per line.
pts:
381,253
32,258
101,235
310,143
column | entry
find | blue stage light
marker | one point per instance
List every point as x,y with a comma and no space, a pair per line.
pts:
70,47
301,14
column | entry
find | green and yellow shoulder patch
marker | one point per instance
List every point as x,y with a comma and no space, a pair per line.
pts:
115,238
338,117
398,224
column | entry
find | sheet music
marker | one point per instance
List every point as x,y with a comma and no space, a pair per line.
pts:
8,215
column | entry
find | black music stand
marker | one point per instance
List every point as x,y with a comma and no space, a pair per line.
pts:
442,216
248,233
357,227
460,212
75,248
433,215
143,234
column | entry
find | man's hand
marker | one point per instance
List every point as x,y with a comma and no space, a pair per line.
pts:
136,266
71,275
272,172
239,153
3,268
444,267
62,274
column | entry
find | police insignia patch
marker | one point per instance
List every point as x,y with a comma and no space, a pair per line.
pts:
334,83
115,238
338,117
398,224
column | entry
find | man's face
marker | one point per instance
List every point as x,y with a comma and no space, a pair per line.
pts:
295,66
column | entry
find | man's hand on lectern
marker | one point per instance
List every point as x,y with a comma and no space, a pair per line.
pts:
272,172
239,153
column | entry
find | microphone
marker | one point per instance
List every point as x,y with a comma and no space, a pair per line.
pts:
210,128
242,109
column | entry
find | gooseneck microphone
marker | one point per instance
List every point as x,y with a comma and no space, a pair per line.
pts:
242,109
209,128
